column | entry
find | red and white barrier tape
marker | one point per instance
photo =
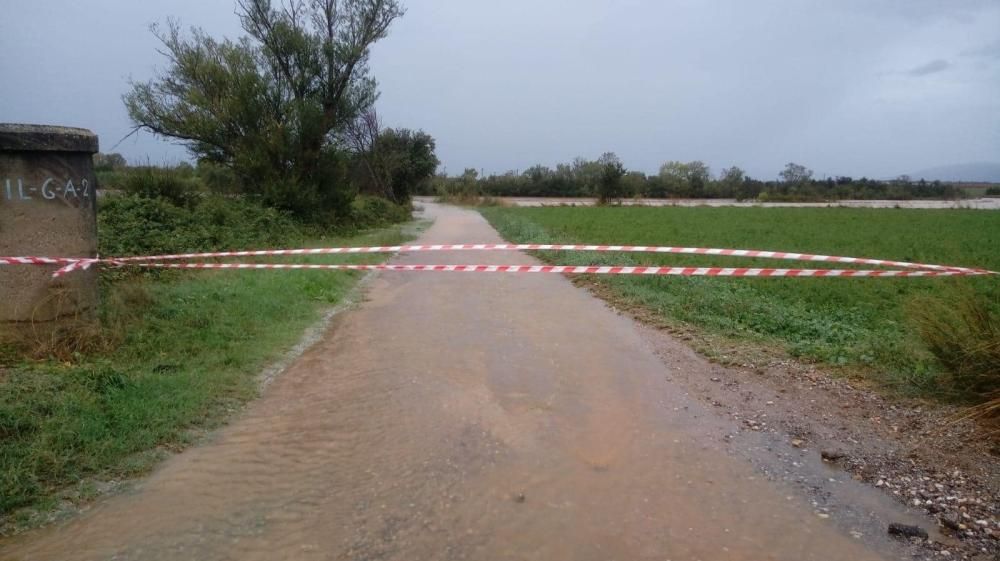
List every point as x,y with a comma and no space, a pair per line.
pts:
917,269
587,269
539,247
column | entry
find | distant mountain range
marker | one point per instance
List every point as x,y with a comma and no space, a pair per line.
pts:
971,172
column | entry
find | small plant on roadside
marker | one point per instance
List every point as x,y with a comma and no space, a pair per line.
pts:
963,332
374,212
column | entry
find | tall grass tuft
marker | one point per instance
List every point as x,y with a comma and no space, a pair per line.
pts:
964,334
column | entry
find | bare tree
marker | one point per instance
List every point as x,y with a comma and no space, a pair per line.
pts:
362,136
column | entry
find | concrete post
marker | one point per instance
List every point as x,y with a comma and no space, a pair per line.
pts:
48,204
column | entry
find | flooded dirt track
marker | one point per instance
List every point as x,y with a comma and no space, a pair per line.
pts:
462,416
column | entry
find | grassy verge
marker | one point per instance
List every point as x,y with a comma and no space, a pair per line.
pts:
188,353
862,324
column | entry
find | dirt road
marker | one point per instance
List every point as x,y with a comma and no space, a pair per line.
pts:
463,416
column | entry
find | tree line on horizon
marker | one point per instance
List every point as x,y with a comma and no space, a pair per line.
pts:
607,179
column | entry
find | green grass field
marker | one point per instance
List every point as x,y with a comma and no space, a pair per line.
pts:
192,347
862,324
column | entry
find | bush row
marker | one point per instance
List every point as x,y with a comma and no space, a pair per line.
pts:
157,210
583,178
136,225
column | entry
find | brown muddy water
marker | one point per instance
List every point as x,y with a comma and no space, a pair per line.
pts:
463,416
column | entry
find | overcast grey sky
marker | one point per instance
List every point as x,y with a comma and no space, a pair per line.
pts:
846,87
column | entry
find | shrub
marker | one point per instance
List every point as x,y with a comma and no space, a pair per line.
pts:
218,178
173,185
110,180
993,192
464,189
371,212
963,332
137,225
610,186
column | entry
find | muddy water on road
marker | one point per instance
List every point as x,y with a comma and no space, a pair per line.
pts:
460,416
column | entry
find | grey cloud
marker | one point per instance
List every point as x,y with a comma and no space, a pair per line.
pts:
922,11
830,85
990,50
932,67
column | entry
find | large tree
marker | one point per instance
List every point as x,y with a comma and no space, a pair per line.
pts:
685,179
409,160
795,174
610,187
271,105
393,163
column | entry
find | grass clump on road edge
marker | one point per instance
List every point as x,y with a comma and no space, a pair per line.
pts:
190,349
964,334
865,325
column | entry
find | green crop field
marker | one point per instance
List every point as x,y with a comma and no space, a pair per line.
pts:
867,325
